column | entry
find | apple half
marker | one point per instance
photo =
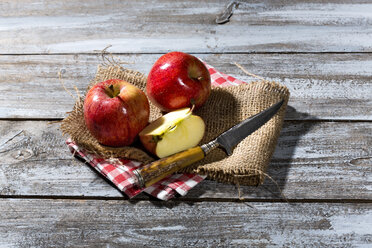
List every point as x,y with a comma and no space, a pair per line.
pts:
174,132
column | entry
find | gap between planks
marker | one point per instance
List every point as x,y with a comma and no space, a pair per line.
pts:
191,52
286,120
184,199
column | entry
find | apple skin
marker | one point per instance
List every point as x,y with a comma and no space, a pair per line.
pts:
178,80
115,111
149,144
173,132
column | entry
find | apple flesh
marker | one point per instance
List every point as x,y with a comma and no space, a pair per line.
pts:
173,132
115,111
178,80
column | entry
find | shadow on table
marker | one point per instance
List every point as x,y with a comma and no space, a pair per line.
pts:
283,157
278,169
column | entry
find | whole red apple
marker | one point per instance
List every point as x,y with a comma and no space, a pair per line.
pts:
178,80
115,111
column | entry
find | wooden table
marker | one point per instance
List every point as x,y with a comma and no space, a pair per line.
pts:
321,50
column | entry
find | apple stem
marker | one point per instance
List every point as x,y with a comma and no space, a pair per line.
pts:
111,91
192,101
111,88
200,78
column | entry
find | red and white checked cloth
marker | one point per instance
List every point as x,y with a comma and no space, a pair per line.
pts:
121,173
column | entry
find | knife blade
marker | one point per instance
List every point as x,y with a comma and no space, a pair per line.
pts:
157,170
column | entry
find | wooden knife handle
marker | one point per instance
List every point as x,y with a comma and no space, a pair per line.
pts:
154,172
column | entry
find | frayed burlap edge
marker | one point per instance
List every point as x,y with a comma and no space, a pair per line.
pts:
228,106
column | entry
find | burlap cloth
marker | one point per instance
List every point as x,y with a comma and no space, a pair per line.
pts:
225,107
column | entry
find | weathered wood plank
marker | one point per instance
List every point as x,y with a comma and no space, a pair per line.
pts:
312,161
75,223
146,26
323,86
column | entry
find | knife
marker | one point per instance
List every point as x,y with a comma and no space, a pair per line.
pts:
157,170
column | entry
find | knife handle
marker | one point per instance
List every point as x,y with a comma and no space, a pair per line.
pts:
155,171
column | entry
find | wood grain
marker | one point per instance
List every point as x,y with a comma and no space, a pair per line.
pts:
76,223
328,161
156,27
322,86
321,50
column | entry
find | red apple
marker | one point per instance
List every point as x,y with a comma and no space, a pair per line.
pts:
115,111
178,80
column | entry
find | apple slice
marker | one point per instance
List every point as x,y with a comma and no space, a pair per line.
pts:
173,132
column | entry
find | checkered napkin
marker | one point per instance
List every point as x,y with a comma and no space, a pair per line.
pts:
120,171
